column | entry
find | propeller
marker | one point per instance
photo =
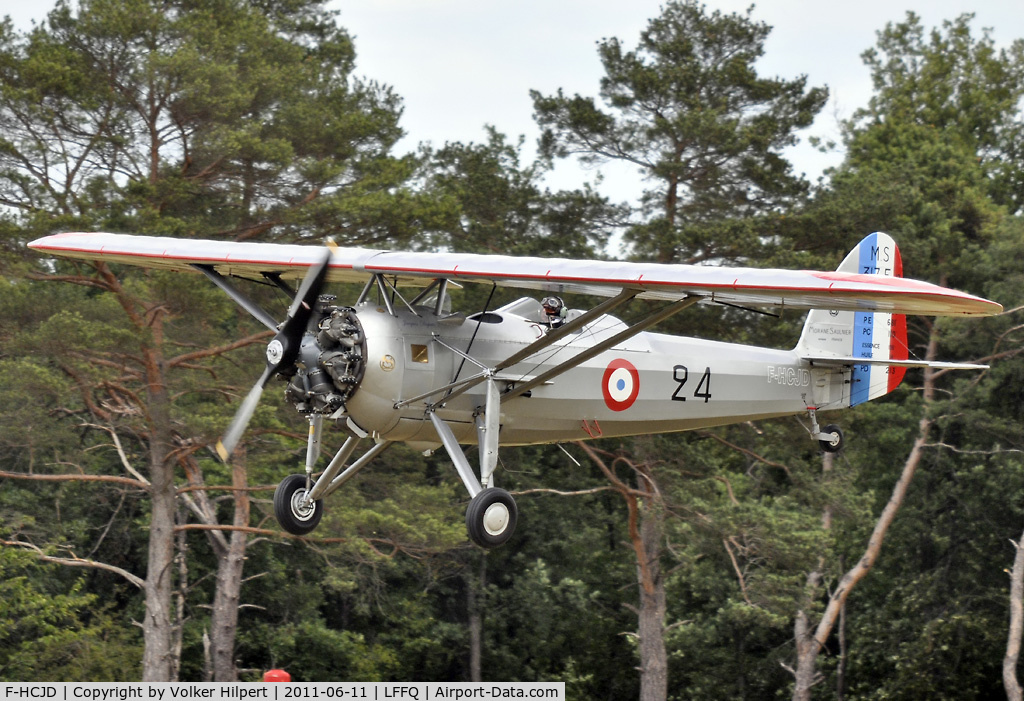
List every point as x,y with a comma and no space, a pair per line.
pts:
282,351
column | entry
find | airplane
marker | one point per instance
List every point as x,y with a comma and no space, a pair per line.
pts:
400,366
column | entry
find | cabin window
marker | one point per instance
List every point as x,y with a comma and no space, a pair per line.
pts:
487,318
420,353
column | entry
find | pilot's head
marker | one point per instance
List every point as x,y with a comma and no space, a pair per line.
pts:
552,305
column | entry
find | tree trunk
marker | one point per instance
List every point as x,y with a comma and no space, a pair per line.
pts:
230,552
841,666
178,631
806,674
161,629
224,620
1010,682
646,524
653,658
158,658
474,593
808,645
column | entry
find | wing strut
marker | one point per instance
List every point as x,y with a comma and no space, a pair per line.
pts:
567,328
378,282
387,291
244,302
553,336
660,315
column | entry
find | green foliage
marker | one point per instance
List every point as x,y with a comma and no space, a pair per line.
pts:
500,206
959,84
315,652
47,634
219,118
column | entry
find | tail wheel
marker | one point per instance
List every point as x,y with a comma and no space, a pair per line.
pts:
834,442
294,516
491,517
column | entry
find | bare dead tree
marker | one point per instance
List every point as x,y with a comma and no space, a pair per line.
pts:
1016,626
810,640
646,527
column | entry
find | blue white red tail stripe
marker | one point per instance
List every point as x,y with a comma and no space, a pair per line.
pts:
865,343
875,336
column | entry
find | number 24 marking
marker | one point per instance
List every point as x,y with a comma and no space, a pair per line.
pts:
680,373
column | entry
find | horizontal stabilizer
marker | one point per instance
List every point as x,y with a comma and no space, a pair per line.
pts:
833,360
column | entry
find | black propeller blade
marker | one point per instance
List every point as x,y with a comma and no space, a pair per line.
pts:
282,351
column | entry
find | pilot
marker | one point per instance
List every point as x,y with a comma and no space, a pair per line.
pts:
554,311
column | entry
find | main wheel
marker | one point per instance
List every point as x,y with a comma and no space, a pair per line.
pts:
289,510
491,517
835,443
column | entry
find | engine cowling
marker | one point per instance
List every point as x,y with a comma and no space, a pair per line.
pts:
351,364
331,362
360,363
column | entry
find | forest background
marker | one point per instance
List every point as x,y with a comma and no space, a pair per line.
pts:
735,563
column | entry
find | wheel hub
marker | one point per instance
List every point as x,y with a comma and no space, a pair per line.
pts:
496,519
302,508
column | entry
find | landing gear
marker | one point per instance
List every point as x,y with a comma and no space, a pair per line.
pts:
492,513
295,514
491,517
834,441
830,438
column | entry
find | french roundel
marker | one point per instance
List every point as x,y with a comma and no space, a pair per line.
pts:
620,385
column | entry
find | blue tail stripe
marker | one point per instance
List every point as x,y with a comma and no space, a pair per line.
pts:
863,327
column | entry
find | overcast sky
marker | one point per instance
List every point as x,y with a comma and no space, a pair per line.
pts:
461,64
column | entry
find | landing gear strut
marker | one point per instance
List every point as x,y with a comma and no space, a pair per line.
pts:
492,514
298,500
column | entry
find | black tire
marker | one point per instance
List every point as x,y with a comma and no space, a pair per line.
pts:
286,506
491,517
836,443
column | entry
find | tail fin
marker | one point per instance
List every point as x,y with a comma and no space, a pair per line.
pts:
876,337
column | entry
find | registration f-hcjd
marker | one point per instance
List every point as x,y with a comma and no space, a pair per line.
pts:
29,691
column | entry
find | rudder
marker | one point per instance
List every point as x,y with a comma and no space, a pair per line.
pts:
879,336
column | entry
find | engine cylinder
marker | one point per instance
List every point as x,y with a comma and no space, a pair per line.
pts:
331,361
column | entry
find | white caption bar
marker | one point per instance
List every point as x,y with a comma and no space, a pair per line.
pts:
285,691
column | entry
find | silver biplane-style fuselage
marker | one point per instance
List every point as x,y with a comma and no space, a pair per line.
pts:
391,369
648,383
